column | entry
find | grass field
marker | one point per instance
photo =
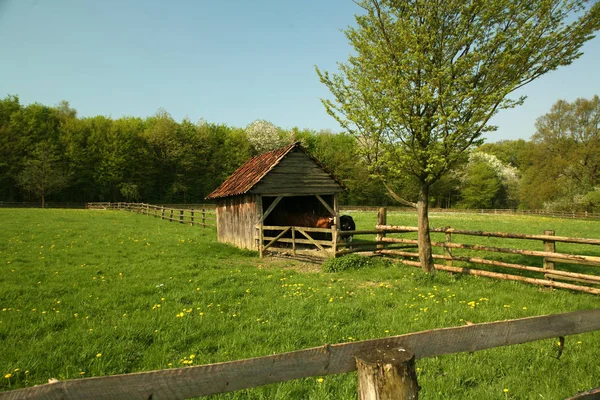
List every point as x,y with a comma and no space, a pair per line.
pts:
90,293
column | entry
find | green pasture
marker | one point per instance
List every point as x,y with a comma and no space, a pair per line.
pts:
92,293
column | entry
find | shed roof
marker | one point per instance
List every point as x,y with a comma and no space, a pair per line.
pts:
254,170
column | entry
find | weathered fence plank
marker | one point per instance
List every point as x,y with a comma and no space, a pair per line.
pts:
505,235
210,379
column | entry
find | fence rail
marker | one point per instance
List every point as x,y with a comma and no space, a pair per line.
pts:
399,246
203,380
205,216
503,211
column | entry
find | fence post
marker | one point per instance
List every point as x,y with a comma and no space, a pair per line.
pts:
204,218
162,212
181,216
381,220
170,215
147,209
448,249
387,374
192,217
294,241
550,246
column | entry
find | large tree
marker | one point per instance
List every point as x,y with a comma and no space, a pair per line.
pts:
426,77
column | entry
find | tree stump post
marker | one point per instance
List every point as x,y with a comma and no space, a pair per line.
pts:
386,374
381,220
448,249
549,245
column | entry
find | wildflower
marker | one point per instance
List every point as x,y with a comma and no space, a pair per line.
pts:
82,373
505,390
98,355
524,308
320,380
8,376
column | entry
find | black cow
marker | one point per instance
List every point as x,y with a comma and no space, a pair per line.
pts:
347,224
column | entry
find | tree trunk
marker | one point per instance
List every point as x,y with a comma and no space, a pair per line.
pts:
424,239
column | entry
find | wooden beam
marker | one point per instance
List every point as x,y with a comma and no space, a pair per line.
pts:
553,238
204,380
508,277
331,211
276,238
312,241
271,207
572,258
587,278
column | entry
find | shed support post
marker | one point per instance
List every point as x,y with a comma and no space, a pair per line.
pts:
387,374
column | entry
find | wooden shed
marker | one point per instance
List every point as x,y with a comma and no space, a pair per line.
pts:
259,204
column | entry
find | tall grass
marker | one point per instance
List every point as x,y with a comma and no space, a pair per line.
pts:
91,293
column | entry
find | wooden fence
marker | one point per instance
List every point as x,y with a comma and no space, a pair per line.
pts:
497,211
550,274
204,216
203,380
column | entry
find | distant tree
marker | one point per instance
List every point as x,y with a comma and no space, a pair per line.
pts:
568,144
427,76
42,173
130,191
480,185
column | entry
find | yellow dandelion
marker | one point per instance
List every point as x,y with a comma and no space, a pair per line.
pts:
98,355
505,390
320,380
8,376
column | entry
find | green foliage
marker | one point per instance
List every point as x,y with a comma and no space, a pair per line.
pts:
566,166
42,174
427,77
480,187
353,262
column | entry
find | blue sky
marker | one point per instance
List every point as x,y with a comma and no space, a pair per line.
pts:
224,61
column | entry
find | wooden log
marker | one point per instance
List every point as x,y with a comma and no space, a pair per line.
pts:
299,241
381,220
563,239
508,277
362,232
204,380
593,279
549,246
304,228
572,258
387,374
593,394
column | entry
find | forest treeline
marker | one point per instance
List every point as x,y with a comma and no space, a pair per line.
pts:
49,153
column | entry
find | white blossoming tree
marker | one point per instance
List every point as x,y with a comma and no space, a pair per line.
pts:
263,136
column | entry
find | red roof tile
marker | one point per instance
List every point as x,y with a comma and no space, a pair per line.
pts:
253,170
